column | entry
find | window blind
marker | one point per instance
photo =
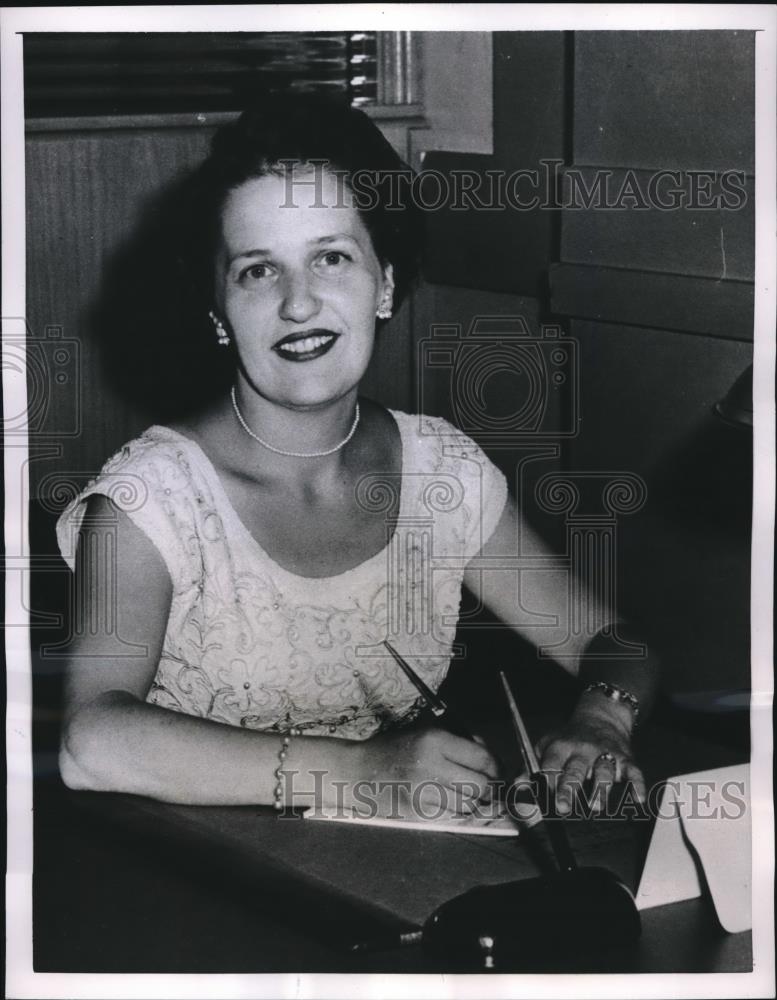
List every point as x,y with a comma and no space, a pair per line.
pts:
82,74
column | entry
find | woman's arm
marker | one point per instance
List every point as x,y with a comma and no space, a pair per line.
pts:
113,740
602,721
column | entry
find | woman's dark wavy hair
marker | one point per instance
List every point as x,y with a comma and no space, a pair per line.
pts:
153,315
285,131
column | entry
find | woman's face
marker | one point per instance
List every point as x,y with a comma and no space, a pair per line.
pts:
298,284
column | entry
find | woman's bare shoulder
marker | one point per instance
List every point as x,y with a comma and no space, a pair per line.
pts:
381,442
215,432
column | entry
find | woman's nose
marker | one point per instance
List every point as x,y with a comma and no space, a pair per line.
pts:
299,301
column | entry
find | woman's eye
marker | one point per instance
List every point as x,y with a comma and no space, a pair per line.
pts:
256,271
333,258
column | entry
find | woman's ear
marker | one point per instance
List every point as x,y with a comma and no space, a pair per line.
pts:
387,297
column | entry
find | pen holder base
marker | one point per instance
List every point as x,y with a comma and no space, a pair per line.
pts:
563,922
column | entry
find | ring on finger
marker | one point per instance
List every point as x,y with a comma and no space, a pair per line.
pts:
609,757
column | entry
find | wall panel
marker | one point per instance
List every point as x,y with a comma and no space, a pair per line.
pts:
660,303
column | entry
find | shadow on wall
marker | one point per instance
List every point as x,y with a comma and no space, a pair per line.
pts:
706,482
688,559
150,322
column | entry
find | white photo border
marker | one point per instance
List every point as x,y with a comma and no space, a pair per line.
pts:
21,980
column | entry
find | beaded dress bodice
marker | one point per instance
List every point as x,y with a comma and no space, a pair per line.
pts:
249,643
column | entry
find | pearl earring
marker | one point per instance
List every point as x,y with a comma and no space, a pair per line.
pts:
221,334
384,310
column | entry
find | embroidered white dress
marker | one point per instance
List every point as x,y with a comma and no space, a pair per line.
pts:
249,643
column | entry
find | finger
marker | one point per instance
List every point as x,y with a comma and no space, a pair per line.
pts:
605,768
521,801
542,743
467,804
464,795
633,776
603,776
523,780
434,801
525,788
437,769
467,784
490,793
466,799
422,800
555,755
470,755
570,782
481,742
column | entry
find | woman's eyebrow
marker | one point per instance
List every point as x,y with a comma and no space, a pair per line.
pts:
334,238
318,241
249,253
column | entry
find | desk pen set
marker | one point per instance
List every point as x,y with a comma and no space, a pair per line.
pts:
567,916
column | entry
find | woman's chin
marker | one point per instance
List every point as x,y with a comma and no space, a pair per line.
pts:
313,401
306,394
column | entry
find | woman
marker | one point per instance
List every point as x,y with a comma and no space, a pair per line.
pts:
255,580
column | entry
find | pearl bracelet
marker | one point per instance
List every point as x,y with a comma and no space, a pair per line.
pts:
279,773
619,694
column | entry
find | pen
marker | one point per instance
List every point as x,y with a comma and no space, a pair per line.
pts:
438,707
557,836
455,723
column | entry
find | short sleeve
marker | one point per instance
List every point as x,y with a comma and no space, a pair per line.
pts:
483,486
146,481
493,498
488,496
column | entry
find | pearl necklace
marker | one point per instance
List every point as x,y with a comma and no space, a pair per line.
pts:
294,454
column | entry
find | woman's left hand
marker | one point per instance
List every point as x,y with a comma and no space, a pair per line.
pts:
589,750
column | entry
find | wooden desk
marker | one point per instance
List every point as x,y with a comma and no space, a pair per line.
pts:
127,884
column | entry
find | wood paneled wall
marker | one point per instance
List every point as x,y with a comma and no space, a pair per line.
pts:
85,194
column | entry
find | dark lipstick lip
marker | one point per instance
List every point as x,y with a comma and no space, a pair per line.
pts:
308,355
292,338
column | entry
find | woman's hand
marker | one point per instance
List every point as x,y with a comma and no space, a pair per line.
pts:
425,773
593,749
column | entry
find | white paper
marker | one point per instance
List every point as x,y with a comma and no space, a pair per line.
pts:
702,842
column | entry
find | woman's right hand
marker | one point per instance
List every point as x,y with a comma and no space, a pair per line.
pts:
423,773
